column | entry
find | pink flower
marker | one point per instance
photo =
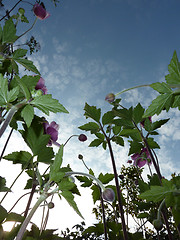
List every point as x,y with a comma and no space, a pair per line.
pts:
41,85
141,159
52,130
40,11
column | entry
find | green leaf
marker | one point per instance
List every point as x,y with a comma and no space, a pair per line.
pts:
86,181
116,130
21,157
27,114
160,103
174,71
91,126
70,199
176,102
133,133
161,87
138,113
3,90
95,142
100,136
13,94
107,118
118,140
3,213
9,32
46,103
143,215
123,122
158,124
36,139
66,185
19,53
95,193
3,187
23,86
124,113
106,178
15,217
152,144
135,147
92,112
158,193
27,64
55,167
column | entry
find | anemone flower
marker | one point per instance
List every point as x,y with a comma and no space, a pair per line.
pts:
40,11
52,130
140,159
41,86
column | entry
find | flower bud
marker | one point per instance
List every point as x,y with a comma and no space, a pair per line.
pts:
108,195
121,176
129,161
50,205
82,138
80,156
158,224
110,97
71,179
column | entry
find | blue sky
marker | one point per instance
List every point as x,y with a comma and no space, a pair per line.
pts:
92,47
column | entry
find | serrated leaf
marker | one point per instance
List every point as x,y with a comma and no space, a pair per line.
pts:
158,124
143,215
85,180
152,144
55,167
27,114
138,113
95,193
23,86
3,213
161,87
100,136
14,217
66,185
90,126
3,90
19,53
70,199
176,102
116,130
106,178
95,143
13,94
163,101
21,157
107,118
124,113
27,64
135,147
123,122
46,103
118,140
3,187
9,32
174,70
92,112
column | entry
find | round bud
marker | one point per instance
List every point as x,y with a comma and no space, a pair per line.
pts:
129,161
158,224
82,137
71,179
50,205
110,97
108,195
121,176
80,156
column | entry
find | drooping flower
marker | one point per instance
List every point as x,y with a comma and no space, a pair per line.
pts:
82,137
110,97
52,130
140,159
41,86
40,11
108,195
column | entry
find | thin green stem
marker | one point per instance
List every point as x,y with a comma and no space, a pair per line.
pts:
126,90
28,29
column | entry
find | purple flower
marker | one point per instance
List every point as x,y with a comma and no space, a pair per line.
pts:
108,195
41,85
52,130
82,138
40,11
141,159
110,97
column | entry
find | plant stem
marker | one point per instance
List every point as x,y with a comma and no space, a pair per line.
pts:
6,143
118,191
103,215
10,10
